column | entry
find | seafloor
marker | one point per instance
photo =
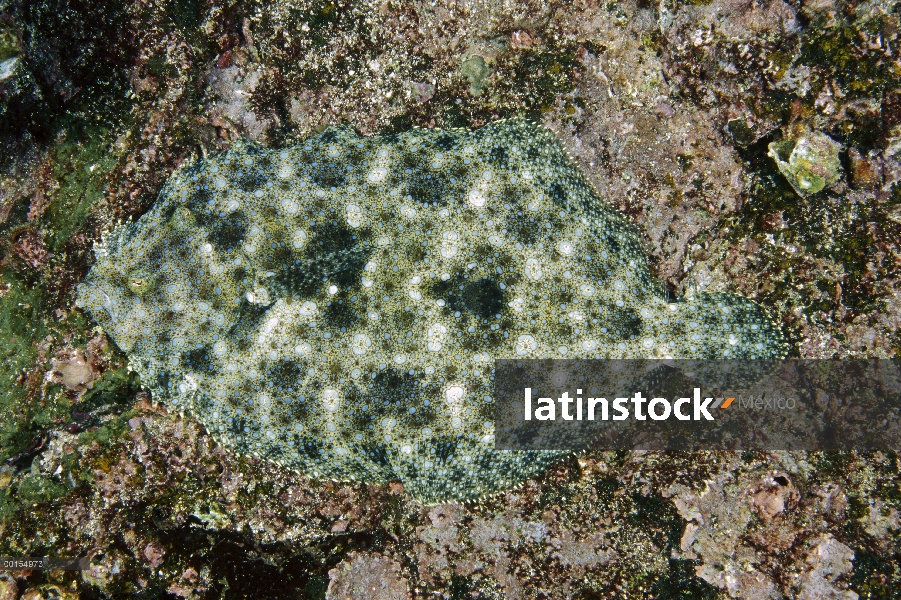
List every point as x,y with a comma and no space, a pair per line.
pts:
669,107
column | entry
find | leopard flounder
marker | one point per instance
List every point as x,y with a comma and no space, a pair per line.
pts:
337,306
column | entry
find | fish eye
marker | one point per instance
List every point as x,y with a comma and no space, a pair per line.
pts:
140,281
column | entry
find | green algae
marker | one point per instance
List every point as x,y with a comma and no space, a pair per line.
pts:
836,52
476,72
9,43
82,166
36,488
21,323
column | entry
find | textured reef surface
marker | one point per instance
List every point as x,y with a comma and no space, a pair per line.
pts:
337,306
754,146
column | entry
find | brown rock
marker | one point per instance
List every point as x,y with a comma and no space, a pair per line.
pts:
28,251
771,496
866,171
367,577
225,60
523,38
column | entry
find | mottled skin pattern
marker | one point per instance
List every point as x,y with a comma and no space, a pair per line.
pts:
337,306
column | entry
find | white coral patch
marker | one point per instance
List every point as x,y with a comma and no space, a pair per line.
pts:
435,337
525,344
331,399
361,344
377,175
533,269
449,246
354,215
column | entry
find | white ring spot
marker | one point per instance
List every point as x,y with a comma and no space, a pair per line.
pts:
533,269
559,378
454,394
360,344
354,215
331,399
476,198
435,337
525,344
377,175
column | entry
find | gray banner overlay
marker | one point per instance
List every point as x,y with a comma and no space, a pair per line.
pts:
789,404
37,563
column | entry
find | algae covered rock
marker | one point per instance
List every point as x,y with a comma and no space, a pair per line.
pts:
476,71
809,162
337,306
